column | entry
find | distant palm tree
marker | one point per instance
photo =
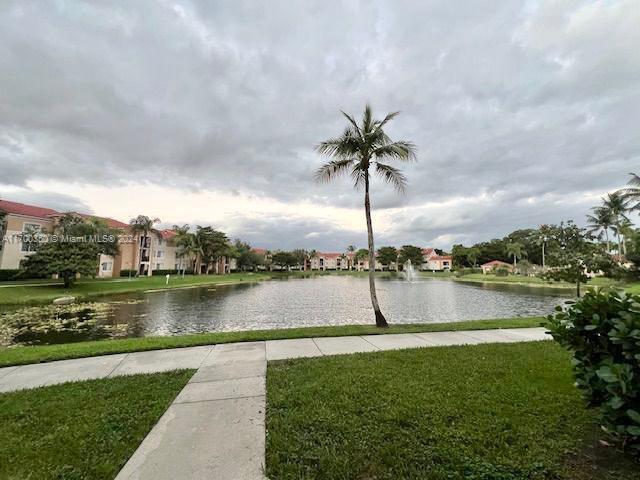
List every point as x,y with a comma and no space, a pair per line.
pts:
351,249
541,238
600,223
185,241
359,147
632,191
141,226
515,250
617,205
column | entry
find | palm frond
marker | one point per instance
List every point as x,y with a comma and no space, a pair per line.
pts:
392,176
401,150
346,145
353,122
386,119
334,168
367,120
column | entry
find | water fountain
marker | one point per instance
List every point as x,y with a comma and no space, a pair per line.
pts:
409,271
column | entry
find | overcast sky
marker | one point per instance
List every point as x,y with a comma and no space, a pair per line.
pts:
207,112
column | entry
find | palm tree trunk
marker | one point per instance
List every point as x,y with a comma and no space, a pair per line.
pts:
380,320
606,235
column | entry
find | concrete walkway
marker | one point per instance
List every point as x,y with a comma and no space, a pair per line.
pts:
215,428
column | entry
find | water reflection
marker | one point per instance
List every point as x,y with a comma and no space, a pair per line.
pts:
318,301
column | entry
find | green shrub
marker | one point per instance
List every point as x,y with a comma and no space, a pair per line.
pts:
603,331
9,274
462,271
501,272
128,273
163,272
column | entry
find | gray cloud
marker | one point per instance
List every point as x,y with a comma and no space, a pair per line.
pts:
533,100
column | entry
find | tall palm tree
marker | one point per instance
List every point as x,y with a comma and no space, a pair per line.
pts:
618,206
600,223
632,191
360,147
141,226
185,242
351,249
515,250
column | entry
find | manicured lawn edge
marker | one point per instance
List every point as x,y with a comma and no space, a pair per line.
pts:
493,411
85,429
46,353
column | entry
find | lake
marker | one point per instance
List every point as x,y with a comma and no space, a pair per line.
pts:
298,302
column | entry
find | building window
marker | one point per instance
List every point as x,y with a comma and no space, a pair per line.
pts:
159,253
107,266
158,266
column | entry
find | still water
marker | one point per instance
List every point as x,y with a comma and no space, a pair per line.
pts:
317,301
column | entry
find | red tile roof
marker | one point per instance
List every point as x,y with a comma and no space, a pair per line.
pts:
260,251
41,212
27,210
495,262
427,251
167,234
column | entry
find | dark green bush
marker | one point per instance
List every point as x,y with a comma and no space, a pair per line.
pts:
602,330
162,272
9,274
128,273
501,272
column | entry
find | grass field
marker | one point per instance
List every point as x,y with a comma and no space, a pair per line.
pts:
81,430
486,412
535,281
46,353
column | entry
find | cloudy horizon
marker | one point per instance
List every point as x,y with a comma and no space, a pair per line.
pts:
523,113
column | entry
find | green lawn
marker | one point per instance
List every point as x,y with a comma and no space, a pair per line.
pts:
46,353
81,430
18,294
535,281
486,412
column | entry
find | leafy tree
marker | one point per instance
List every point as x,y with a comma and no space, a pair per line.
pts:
387,255
284,259
361,255
68,252
472,255
211,245
410,252
301,257
459,254
247,258
360,147
573,255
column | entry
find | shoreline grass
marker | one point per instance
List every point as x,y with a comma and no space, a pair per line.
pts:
501,411
85,429
16,295
23,355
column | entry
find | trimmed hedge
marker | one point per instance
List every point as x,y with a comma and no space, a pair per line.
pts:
125,273
9,274
161,272
602,330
